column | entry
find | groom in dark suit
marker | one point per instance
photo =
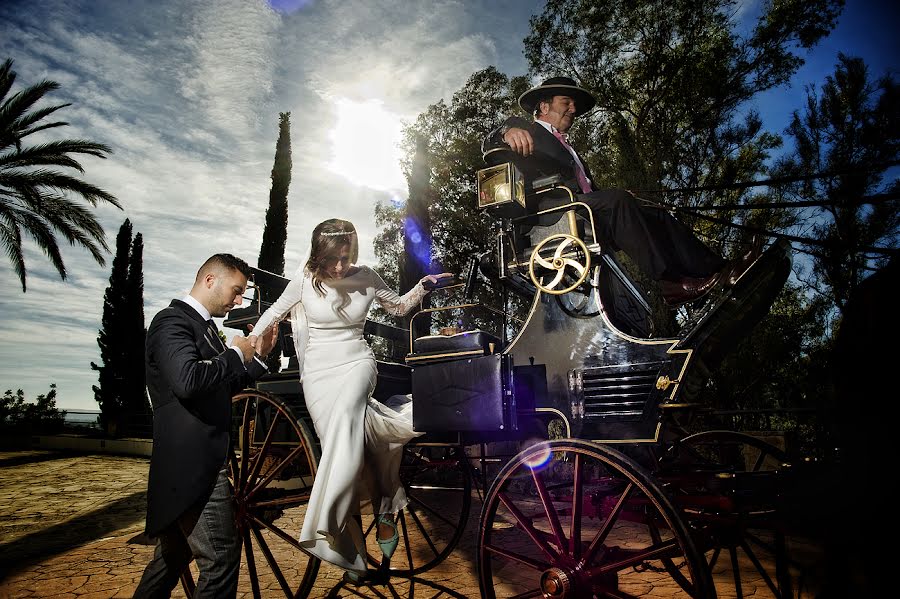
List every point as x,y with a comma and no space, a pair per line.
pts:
663,247
191,377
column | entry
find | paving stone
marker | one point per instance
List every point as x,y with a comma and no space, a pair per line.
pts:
67,519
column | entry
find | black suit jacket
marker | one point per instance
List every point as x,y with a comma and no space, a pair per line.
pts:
550,157
191,378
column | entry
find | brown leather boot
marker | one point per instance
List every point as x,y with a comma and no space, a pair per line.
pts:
740,265
689,289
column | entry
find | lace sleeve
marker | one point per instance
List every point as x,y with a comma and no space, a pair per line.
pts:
277,311
392,302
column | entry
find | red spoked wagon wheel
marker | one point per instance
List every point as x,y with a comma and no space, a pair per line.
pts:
271,467
572,518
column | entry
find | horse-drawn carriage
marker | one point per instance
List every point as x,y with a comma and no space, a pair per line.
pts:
570,427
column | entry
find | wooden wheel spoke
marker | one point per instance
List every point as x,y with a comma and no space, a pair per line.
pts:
524,522
270,559
245,446
277,532
532,563
289,501
261,454
276,471
431,511
549,509
666,549
251,565
407,546
759,568
607,527
736,572
423,531
577,498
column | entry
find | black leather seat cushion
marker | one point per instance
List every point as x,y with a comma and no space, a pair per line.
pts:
431,348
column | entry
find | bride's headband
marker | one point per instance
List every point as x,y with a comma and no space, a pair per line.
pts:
337,233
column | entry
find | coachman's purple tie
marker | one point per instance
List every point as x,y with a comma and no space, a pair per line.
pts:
583,182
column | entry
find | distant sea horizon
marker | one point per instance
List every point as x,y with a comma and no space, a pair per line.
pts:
77,417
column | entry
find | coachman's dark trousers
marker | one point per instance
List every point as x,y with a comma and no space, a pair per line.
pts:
662,246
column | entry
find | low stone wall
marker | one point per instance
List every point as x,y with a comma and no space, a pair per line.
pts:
137,447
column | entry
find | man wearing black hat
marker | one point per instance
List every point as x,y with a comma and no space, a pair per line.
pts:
662,247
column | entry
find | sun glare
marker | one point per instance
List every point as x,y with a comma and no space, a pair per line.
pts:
365,143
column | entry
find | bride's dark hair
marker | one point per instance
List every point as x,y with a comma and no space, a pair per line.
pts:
328,238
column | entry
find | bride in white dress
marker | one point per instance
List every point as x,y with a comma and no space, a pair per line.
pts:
362,439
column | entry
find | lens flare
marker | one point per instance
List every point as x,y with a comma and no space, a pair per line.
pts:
419,242
540,458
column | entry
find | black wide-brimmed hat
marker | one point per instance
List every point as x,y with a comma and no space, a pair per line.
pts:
558,86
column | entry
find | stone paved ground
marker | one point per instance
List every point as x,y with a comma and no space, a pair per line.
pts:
68,525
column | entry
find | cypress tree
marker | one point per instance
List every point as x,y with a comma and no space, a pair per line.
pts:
416,258
135,402
113,338
274,238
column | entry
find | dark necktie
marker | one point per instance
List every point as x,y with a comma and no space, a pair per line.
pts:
583,182
214,332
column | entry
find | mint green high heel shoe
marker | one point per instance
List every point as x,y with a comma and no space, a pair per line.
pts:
388,546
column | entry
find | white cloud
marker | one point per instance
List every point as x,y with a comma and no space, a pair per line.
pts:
188,96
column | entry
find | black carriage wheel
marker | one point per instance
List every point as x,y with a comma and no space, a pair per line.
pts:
568,518
271,467
439,489
728,486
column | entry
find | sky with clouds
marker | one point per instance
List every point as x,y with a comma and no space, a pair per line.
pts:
188,95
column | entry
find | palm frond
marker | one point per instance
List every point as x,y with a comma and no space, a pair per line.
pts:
7,77
38,200
45,178
13,109
11,239
54,153
43,236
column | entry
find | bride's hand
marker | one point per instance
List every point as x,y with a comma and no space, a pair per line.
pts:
434,279
253,339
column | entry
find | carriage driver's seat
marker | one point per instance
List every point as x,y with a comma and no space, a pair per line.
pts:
556,250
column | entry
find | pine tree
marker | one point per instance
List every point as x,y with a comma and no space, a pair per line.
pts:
274,238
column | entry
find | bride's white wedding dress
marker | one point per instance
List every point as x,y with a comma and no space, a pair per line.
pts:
362,439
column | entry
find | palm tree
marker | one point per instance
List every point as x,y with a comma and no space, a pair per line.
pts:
35,195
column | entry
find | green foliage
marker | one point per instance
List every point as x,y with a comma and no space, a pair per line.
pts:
673,80
271,251
35,190
274,239
444,150
774,366
850,128
41,416
121,392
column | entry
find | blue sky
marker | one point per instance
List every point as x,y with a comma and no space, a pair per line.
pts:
188,95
